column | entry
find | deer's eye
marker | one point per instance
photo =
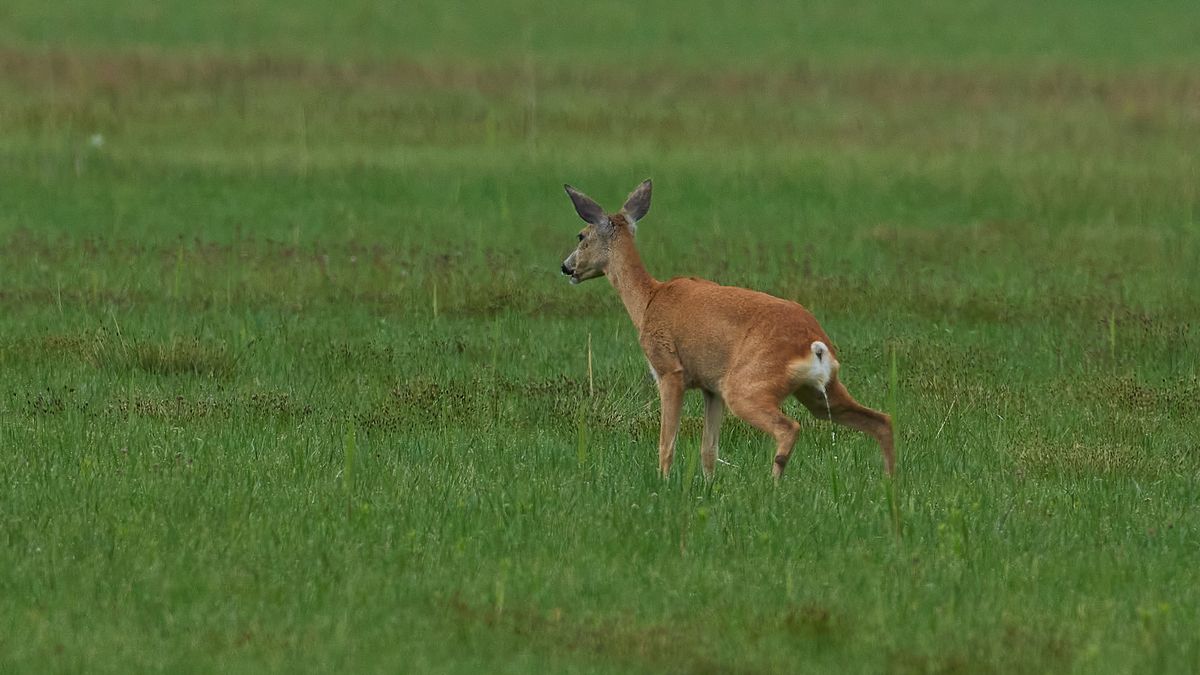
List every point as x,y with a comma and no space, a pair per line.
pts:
581,236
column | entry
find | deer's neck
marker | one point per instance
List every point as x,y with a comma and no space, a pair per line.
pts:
628,275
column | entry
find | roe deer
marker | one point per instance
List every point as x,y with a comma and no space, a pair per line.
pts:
743,348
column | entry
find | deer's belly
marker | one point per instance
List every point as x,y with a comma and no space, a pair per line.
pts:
703,372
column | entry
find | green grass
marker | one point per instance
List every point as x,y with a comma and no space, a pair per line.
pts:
289,379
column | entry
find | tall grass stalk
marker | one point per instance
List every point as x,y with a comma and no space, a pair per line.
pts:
591,380
349,452
890,482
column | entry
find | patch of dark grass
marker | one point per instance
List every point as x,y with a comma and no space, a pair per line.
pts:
1017,649
105,350
814,622
121,74
180,409
45,403
1083,458
186,356
1127,394
177,409
662,647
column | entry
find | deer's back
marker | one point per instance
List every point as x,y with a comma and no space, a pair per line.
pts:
712,330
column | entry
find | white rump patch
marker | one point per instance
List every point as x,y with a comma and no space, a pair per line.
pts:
822,369
817,369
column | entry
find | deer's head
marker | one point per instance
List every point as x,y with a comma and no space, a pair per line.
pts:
590,258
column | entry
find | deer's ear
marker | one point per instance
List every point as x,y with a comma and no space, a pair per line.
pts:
587,208
638,204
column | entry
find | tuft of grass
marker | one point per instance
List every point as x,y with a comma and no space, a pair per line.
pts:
349,450
182,357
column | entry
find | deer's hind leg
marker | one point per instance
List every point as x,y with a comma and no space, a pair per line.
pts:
843,409
760,409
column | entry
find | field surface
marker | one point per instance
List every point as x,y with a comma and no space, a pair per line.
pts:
289,379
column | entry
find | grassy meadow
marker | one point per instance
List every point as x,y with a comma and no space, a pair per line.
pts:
290,381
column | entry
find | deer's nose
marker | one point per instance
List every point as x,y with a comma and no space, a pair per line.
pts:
567,270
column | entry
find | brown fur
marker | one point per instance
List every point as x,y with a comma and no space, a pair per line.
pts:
745,349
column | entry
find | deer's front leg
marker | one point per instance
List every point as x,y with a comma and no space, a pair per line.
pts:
670,397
